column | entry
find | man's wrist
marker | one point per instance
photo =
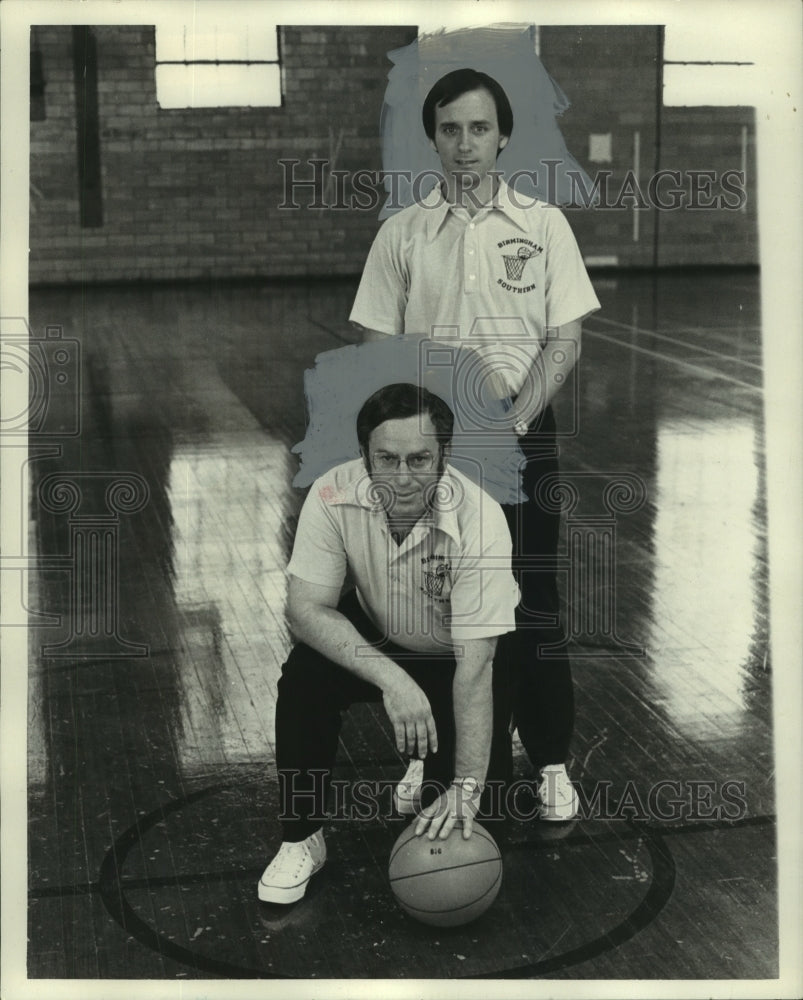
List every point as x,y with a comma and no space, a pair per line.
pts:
391,679
469,786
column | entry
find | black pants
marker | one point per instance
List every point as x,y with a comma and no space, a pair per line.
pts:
543,695
314,691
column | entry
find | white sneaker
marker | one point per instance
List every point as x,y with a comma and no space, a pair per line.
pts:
286,877
559,800
407,794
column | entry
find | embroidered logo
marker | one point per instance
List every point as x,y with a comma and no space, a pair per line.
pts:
437,575
515,263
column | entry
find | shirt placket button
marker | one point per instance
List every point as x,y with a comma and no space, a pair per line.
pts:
471,259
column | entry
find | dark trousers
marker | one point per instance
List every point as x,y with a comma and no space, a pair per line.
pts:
543,695
314,691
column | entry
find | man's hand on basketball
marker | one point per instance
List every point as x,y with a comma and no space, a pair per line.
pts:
459,804
411,716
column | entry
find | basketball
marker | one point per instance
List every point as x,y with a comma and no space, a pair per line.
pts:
449,882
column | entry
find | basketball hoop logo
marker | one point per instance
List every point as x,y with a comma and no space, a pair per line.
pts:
514,266
435,579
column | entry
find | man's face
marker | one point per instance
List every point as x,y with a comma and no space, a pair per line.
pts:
405,462
467,135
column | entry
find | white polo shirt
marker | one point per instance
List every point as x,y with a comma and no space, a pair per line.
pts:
450,579
496,280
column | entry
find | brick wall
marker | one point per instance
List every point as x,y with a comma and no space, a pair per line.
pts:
710,139
196,193
610,75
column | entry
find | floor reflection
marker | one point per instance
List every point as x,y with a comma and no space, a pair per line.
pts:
704,589
230,511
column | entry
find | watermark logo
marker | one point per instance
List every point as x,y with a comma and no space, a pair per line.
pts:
496,358
315,184
666,801
93,502
41,382
41,410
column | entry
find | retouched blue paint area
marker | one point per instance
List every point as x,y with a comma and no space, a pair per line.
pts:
484,447
508,55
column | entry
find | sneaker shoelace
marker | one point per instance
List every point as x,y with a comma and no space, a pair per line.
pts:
288,854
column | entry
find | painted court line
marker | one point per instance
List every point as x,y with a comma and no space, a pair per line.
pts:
679,343
703,373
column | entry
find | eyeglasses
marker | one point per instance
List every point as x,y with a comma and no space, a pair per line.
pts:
385,462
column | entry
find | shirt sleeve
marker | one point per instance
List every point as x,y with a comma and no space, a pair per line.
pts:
381,298
569,292
319,555
484,593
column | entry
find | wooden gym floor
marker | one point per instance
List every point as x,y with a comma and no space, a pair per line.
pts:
152,789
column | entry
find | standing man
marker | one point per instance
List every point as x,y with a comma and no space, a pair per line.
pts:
429,553
504,274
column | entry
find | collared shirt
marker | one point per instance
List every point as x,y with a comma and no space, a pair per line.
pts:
493,281
450,579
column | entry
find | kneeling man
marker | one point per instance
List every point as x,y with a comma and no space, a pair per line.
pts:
428,553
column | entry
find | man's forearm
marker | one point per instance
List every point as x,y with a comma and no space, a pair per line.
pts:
330,633
320,625
473,714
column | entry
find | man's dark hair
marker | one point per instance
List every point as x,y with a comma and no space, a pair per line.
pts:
398,402
459,82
